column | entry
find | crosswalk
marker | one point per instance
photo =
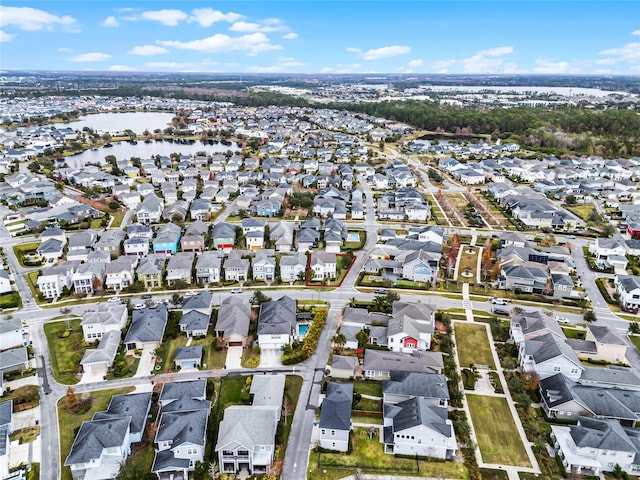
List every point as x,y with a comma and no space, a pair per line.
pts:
467,305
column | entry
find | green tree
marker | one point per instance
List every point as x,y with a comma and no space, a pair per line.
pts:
339,340
259,298
362,337
589,316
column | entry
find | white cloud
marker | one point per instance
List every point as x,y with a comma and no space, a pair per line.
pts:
629,52
5,37
111,22
147,50
550,67
208,16
27,18
606,61
415,63
290,36
635,32
490,61
248,27
121,68
253,43
65,50
167,17
382,52
90,57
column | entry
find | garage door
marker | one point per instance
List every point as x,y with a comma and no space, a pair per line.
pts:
235,344
188,364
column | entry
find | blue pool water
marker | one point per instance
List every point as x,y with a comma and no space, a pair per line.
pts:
353,237
303,329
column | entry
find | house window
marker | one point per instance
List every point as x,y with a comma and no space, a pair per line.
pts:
324,431
556,369
333,432
574,370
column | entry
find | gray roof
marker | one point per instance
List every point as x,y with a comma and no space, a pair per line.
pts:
106,350
14,357
602,434
629,282
10,324
104,314
246,426
532,322
183,427
604,334
548,346
192,352
343,362
194,320
364,317
416,384
95,436
172,391
267,390
277,316
233,317
201,301
223,230
336,406
147,325
135,405
6,409
50,245
166,460
612,375
381,361
417,411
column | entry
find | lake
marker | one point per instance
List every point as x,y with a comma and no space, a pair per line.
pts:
137,122
125,150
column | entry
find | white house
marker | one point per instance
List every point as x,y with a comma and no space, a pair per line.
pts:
603,248
323,266
10,333
628,287
547,355
410,327
53,280
106,317
5,282
335,417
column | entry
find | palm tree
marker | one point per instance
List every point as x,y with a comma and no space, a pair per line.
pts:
339,340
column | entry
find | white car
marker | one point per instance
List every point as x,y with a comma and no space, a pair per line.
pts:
191,294
236,290
114,300
498,301
139,306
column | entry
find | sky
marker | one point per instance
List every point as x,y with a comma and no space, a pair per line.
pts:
306,36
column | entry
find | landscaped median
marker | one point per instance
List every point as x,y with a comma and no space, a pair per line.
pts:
496,431
473,346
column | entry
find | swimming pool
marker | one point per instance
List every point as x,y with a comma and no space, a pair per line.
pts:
302,330
353,237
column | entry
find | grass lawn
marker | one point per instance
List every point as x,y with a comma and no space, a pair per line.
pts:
117,217
574,333
69,422
468,262
23,248
582,211
497,440
143,457
168,353
66,353
32,281
132,363
635,339
368,455
10,300
250,357
372,420
368,405
25,435
368,388
472,345
27,394
293,385
212,358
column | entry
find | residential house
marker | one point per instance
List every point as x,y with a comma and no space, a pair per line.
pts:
236,268
110,241
150,270
406,385
379,364
420,266
263,266
192,243
208,266
188,357
200,209
138,230
53,281
281,234
99,360
134,405
167,239
11,332
136,246
147,328
246,439
106,317
323,266
150,210
335,417
292,266
100,448
13,359
50,250
417,427
628,288
343,366
194,323
547,355
277,322
223,236
233,320
201,302
80,244
268,391
120,273
603,248
410,327
179,268
88,277
6,412
594,446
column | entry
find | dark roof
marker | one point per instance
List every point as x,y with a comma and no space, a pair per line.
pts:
96,435
189,389
336,406
277,316
417,411
135,405
233,317
188,353
165,460
194,320
148,325
416,384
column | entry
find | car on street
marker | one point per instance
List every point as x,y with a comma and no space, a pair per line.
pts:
498,301
236,290
139,306
500,311
380,291
191,293
571,237
114,300
146,297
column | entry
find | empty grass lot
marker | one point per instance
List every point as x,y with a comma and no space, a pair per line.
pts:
472,345
66,353
496,431
69,422
369,456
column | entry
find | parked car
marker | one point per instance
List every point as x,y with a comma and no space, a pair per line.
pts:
114,300
498,301
191,293
139,306
236,290
500,311
380,291
146,297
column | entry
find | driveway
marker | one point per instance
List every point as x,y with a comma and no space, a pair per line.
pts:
93,377
270,358
147,362
234,358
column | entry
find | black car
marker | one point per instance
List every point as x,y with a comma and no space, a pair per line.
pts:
500,311
146,297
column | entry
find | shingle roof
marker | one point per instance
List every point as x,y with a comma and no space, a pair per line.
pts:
416,384
135,405
95,436
247,426
191,352
336,406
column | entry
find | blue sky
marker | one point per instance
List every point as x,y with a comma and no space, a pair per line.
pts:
505,37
